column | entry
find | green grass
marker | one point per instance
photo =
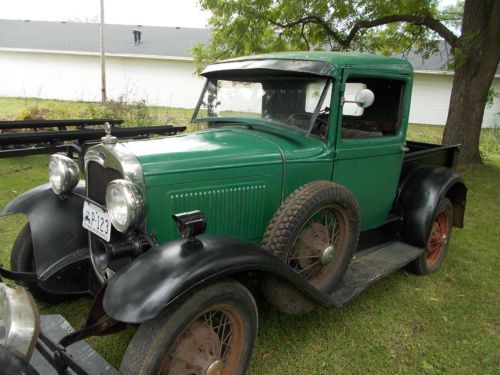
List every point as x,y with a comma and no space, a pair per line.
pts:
133,114
448,322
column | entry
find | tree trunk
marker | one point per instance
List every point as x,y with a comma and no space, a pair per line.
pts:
477,54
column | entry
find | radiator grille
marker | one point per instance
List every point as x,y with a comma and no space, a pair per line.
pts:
98,179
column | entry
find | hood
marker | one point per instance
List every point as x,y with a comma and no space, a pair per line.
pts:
163,160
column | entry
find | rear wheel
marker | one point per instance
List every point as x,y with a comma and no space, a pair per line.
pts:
22,260
208,332
437,243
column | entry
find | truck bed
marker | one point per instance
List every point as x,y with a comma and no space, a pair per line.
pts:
421,153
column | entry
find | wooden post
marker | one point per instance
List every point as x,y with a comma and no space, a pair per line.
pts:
103,57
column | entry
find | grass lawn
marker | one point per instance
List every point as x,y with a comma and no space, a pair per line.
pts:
448,322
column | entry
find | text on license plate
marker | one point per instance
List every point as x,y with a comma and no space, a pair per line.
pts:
96,220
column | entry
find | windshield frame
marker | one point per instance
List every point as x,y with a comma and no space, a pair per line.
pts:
259,121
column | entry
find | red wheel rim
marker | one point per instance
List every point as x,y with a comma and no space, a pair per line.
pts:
326,227
437,239
212,344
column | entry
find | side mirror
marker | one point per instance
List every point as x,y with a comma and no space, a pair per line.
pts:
364,98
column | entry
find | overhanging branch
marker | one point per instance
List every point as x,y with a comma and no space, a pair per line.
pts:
423,20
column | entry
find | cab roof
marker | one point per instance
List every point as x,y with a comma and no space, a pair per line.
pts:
312,62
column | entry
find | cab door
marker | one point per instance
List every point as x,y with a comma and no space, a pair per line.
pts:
370,142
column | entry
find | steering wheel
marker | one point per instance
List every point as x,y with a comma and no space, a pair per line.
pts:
304,117
319,128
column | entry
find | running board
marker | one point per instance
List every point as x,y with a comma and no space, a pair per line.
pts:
371,265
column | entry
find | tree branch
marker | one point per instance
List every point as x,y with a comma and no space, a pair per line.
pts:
423,20
304,36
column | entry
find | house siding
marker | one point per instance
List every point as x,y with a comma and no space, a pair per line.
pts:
169,83
431,98
172,82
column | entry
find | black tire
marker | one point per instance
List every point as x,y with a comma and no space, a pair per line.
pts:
437,243
299,234
184,330
22,260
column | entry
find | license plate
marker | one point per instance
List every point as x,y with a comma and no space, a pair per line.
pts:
96,220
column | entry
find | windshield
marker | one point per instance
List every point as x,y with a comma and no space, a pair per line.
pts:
286,101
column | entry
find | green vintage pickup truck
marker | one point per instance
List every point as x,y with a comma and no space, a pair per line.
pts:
303,181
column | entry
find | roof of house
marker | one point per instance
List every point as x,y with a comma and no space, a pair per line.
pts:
173,42
84,37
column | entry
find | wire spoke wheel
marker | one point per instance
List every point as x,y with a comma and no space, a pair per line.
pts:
437,242
320,238
437,239
211,345
209,331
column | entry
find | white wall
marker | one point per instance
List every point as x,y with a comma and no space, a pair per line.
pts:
49,76
171,83
160,82
431,98
77,77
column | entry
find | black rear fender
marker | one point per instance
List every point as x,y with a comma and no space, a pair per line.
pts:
421,194
162,274
59,240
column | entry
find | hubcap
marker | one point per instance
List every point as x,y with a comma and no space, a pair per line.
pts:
327,255
215,368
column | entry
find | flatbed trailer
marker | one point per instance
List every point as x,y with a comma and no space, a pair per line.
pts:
73,137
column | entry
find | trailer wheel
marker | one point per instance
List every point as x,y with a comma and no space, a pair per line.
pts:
315,231
437,243
209,331
22,260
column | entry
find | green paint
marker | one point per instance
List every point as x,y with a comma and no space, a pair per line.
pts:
339,60
239,173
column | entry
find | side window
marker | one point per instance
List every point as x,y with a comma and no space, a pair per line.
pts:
382,118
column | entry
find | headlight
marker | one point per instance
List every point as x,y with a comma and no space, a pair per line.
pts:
63,174
125,204
19,318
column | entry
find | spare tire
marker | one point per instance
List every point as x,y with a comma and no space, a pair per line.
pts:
315,231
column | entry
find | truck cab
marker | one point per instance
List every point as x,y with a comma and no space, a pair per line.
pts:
314,94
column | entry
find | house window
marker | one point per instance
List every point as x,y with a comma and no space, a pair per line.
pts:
382,118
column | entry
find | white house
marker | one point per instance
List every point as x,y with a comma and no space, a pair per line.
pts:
60,60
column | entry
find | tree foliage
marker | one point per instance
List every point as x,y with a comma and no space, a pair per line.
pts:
243,27
471,28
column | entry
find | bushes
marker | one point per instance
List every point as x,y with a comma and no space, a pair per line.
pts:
133,114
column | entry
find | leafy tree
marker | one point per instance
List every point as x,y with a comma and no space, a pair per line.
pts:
471,28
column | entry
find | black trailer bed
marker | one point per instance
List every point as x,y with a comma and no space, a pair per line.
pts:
32,137
56,327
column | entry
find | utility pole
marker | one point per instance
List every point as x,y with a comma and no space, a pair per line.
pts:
103,57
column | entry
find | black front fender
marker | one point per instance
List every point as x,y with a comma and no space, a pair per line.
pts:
162,274
57,234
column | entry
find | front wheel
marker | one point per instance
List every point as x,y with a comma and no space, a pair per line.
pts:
211,331
22,259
